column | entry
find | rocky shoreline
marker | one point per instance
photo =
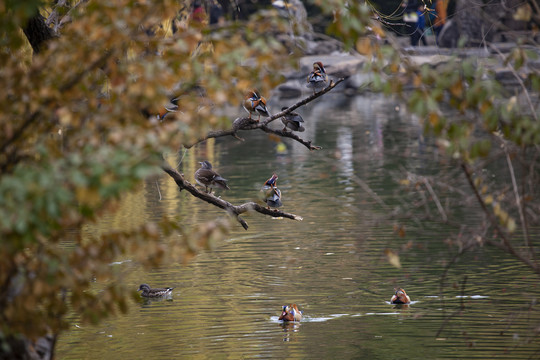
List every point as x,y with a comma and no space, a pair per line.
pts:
339,64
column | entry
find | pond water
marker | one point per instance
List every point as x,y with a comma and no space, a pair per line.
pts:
226,302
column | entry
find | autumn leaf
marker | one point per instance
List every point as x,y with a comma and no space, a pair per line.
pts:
392,257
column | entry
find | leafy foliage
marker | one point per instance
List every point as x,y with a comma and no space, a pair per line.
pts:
79,130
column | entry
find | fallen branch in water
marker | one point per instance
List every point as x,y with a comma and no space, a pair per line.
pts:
247,124
234,210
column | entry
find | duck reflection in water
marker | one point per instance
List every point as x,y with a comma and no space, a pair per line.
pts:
290,317
289,328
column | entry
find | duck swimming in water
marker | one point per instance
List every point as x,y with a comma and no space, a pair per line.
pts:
147,291
400,297
290,313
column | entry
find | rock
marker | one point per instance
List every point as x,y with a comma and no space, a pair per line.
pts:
289,89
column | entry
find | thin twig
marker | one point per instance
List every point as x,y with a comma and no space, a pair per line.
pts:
181,159
521,84
159,192
518,201
506,245
461,307
436,199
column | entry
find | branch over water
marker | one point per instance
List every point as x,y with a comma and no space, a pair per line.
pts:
234,210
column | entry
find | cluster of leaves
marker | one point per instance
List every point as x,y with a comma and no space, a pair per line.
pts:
78,131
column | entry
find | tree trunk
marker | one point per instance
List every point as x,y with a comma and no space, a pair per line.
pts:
22,348
37,32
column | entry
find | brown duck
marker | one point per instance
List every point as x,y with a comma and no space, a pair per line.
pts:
147,291
208,178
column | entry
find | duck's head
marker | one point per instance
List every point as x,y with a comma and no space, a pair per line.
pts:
286,314
318,66
144,287
253,94
206,164
272,181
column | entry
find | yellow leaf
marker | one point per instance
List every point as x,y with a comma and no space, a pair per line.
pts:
87,196
416,80
405,182
511,104
489,199
511,225
523,13
363,46
503,215
377,30
433,118
392,257
496,208
485,106
64,116
457,89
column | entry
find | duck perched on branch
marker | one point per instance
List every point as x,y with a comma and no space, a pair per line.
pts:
208,178
255,104
270,194
317,79
292,121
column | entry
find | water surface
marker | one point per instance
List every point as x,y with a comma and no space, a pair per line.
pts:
332,264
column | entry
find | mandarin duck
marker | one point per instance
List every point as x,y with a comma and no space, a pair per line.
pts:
208,178
172,107
270,194
292,121
290,313
400,297
147,291
255,104
317,79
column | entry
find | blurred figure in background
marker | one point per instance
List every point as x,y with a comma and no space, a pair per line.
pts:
440,18
410,18
418,34
216,13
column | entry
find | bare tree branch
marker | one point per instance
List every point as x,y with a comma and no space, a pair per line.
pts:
435,199
506,245
235,211
250,124
59,21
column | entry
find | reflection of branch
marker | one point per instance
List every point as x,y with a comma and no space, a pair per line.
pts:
461,307
291,135
436,199
250,124
505,245
235,211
